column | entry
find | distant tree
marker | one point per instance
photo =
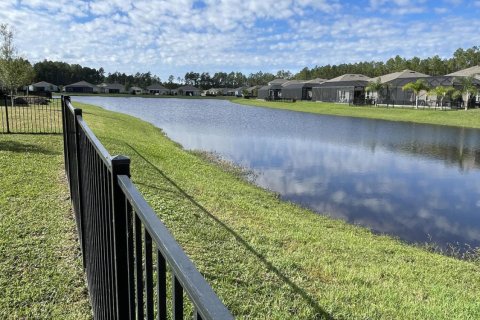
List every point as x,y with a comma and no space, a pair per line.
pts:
442,92
416,87
284,74
14,70
375,86
468,88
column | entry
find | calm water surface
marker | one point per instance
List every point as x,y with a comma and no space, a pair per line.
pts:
417,182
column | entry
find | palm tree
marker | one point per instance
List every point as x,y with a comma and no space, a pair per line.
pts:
442,92
416,87
375,86
468,88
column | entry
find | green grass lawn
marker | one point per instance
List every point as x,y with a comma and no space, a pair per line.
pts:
41,276
460,118
270,259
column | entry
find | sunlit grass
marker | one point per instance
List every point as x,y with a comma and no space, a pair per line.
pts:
41,276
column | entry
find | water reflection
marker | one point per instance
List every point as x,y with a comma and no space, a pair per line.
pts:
409,180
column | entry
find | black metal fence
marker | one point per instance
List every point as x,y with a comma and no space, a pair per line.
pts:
422,104
32,114
121,236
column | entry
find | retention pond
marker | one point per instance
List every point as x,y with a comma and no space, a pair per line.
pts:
418,182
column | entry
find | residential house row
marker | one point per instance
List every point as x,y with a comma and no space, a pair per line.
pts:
348,88
352,88
112,88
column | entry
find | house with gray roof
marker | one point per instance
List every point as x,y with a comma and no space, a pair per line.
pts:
472,71
111,88
81,87
300,89
157,89
253,91
393,92
454,82
135,90
272,91
348,88
469,72
189,90
42,86
217,92
238,92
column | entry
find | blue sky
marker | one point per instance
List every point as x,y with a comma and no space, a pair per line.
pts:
176,36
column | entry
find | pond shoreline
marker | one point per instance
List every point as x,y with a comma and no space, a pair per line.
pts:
379,177
266,257
454,118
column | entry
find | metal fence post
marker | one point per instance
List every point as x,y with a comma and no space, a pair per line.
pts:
64,129
76,113
120,166
6,114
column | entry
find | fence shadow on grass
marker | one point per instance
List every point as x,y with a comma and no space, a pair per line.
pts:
15,146
321,313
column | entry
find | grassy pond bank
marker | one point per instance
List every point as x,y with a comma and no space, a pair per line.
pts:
271,259
459,118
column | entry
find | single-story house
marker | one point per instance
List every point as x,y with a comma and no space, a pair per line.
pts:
42,86
469,72
472,71
157,89
393,92
455,82
217,92
348,88
188,90
253,91
238,92
300,89
111,88
81,87
272,91
136,90
231,92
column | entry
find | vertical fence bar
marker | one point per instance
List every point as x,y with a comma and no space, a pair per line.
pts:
177,293
120,166
78,113
65,145
138,266
6,115
161,286
148,274
130,253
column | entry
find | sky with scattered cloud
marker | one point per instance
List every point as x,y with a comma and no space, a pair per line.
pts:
176,36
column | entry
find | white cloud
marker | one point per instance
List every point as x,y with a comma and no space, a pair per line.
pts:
172,37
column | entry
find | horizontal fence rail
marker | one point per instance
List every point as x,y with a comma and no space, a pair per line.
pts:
119,234
32,114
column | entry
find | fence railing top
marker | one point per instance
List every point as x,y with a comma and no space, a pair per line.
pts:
199,291
102,151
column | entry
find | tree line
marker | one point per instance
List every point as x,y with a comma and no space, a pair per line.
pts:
61,73
433,66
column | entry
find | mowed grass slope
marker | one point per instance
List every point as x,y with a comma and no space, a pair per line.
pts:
459,118
268,259
41,276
